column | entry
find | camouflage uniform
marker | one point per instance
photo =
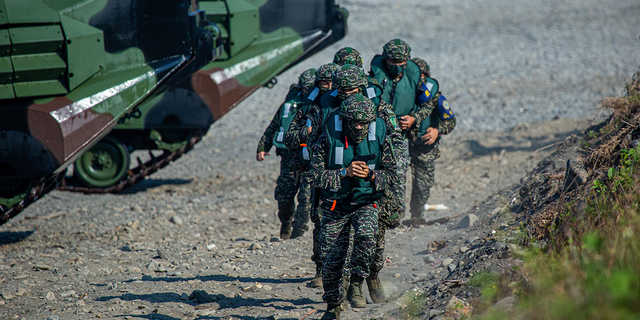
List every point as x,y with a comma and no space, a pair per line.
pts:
341,215
290,178
423,155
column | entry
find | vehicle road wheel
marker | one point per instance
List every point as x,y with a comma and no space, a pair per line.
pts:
105,164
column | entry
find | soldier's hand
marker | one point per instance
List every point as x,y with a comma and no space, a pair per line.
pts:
309,129
431,136
359,169
260,155
407,122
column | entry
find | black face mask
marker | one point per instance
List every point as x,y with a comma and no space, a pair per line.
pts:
354,133
395,70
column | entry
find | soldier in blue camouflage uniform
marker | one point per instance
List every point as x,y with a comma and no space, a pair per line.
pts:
350,188
424,150
400,80
288,181
298,140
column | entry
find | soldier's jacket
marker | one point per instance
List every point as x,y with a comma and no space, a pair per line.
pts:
297,136
420,113
323,178
274,127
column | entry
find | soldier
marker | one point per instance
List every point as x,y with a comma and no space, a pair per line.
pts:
297,140
348,55
425,151
352,164
350,80
401,86
288,182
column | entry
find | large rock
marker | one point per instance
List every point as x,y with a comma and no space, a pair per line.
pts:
467,221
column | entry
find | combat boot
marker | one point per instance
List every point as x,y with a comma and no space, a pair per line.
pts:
297,233
332,313
316,282
285,231
375,288
355,296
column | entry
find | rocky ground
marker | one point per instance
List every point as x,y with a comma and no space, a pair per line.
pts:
521,76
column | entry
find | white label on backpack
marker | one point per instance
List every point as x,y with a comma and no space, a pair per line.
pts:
313,94
334,93
429,86
280,136
287,106
372,131
339,155
308,123
371,93
372,166
338,123
305,153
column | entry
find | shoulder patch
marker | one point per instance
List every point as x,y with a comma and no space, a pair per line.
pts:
445,111
427,90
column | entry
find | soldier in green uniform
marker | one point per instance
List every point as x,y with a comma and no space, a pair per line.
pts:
288,181
352,164
400,81
424,150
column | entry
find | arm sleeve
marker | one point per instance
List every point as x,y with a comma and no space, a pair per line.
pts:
321,177
296,133
385,177
446,126
266,141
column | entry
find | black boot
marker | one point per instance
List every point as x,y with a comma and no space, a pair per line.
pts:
285,231
332,313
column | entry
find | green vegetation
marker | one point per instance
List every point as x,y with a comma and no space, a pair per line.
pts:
589,266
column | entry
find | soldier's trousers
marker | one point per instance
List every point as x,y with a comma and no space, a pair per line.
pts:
422,174
302,214
399,188
316,218
334,246
378,255
287,186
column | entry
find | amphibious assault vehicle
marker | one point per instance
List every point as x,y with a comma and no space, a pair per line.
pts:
260,39
159,71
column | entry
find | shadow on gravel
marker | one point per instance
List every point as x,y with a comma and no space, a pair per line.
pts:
155,316
510,144
223,301
146,184
9,237
222,278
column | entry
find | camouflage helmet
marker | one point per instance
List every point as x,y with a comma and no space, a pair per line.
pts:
325,72
349,77
358,108
348,55
423,65
307,78
396,49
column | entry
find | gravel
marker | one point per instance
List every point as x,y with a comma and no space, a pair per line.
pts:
520,76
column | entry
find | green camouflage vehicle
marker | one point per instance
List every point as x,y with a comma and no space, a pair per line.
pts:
70,70
260,38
